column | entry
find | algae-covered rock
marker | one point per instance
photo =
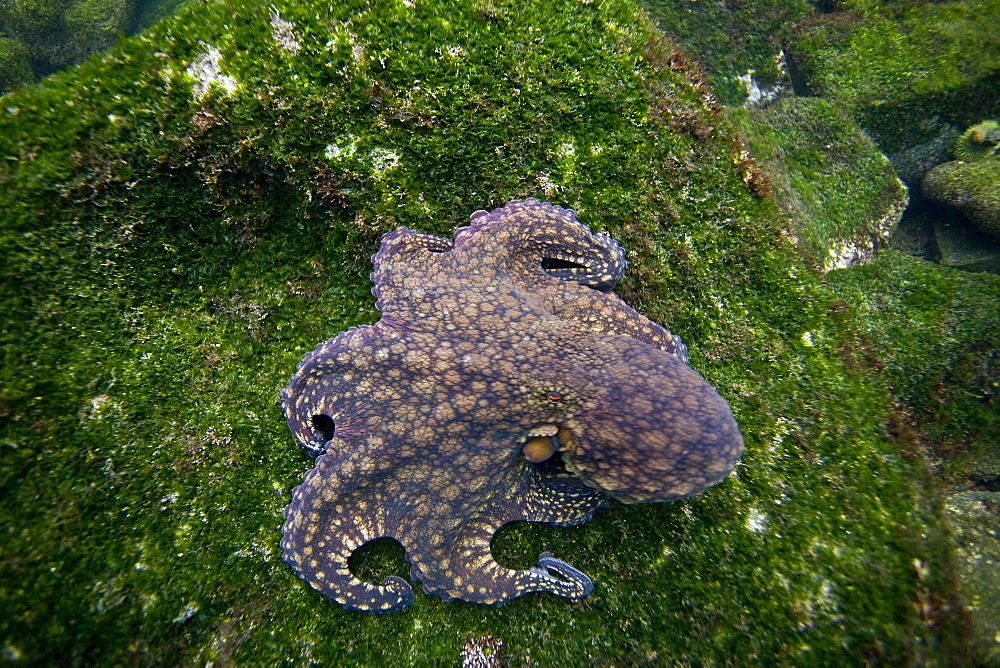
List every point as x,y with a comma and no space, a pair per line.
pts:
896,65
58,33
934,331
739,44
961,244
189,214
94,25
985,469
971,187
934,231
837,187
38,25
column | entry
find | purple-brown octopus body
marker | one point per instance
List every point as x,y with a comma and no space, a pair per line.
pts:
503,382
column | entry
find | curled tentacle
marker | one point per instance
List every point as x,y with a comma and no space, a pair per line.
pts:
318,550
536,238
571,583
469,572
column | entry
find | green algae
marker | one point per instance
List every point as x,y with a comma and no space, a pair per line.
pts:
971,187
733,39
39,37
934,330
976,526
893,64
15,67
896,64
837,187
59,33
174,241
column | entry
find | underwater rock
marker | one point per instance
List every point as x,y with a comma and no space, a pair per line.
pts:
835,184
913,162
961,245
897,67
15,68
168,256
971,187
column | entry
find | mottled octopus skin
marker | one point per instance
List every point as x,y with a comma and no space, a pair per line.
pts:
507,334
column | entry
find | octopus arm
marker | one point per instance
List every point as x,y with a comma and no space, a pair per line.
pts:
535,238
604,313
322,397
324,525
405,254
466,569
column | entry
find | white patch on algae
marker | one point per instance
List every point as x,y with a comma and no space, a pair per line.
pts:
283,33
206,71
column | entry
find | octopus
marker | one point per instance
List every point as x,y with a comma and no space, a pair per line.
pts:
505,381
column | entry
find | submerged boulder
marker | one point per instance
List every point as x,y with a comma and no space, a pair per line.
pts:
971,187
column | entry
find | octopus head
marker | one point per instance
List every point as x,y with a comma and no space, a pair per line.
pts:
651,430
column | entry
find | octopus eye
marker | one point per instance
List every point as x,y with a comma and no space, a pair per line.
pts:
554,397
538,449
323,425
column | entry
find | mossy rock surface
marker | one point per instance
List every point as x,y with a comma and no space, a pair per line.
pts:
94,25
934,331
971,187
837,187
901,67
183,218
39,37
739,43
975,518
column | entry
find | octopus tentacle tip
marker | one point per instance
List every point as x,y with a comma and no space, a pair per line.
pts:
395,594
577,582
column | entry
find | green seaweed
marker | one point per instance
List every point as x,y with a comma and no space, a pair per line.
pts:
732,39
838,189
173,246
15,68
970,187
976,528
896,64
934,330
39,37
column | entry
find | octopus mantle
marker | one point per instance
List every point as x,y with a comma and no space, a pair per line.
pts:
504,381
